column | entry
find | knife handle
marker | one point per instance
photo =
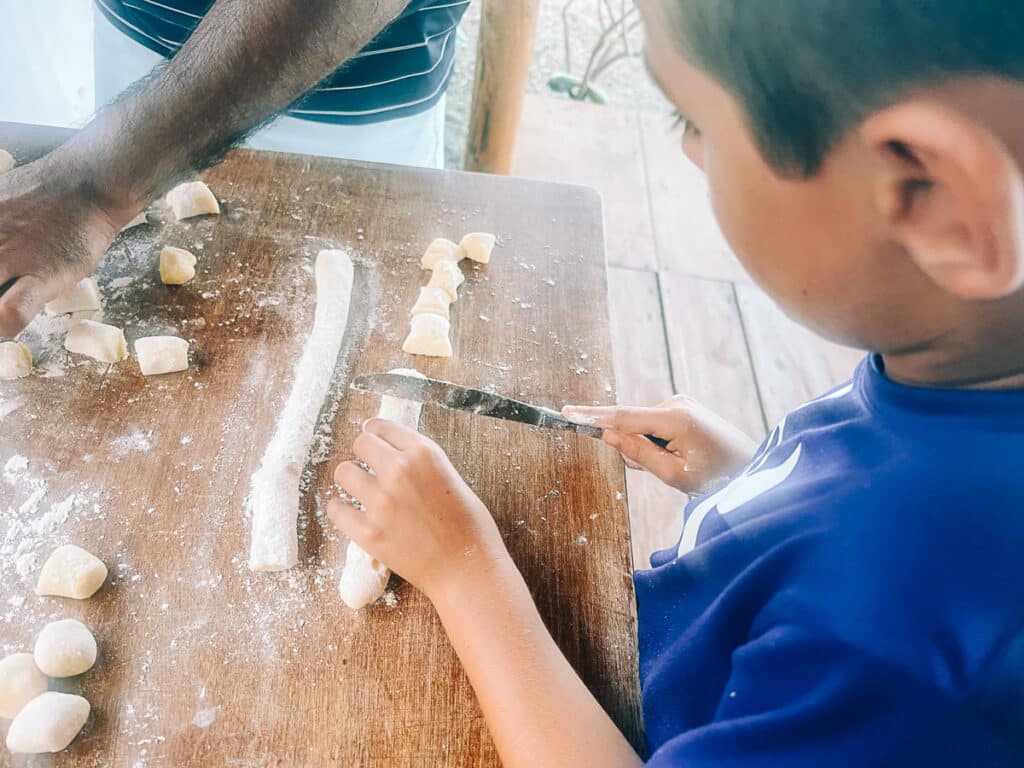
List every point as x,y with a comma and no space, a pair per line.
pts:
658,441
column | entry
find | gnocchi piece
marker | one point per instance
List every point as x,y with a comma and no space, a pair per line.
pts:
478,246
65,648
48,723
432,301
161,354
20,682
177,266
448,277
15,360
84,296
428,336
6,161
71,571
193,198
441,250
99,341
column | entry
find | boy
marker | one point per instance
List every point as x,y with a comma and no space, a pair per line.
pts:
853,596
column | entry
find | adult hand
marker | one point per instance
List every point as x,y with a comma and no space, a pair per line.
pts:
53,232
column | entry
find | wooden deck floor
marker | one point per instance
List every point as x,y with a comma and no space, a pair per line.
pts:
685,316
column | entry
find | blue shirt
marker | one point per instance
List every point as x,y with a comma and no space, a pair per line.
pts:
403,71
855,597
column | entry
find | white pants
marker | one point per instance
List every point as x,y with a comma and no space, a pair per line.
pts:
417,140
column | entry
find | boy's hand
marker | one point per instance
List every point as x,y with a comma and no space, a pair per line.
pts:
703,447
419,517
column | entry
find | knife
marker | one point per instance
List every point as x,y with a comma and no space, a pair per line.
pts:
459,398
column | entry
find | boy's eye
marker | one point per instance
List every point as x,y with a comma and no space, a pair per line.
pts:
690,131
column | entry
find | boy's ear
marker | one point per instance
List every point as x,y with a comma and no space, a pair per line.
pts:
953,197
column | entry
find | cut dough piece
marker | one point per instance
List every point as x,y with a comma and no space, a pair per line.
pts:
192,198
15,360
432,301
428,336
161,354
20,682
441,250
478,246
364,578
99,341
48,723
6,161
177,266
138,221
275,496
85,295
71,572
65,648
448,277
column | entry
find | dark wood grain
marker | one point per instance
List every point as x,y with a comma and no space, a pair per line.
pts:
203,662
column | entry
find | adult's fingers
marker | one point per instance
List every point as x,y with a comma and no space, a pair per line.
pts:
19,304
634,419
356,481
666,466
398,435
375,451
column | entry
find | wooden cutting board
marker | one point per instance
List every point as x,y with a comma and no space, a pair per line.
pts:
203,662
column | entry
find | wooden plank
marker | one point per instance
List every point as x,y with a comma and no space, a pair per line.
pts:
599,147
792,364
203,662
504,49
687,236
709,353
644,377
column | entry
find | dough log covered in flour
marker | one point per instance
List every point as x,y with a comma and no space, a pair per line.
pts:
274,498
364,578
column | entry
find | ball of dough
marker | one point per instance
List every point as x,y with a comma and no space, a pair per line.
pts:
478,246
48,723
192,198
83,296
441,250
432,301
6,161
161,354
20,682
71,571
99,341
15,360
448,277
428,336
65,648
177,266
363,579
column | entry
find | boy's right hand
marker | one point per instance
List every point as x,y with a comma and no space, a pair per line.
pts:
703,448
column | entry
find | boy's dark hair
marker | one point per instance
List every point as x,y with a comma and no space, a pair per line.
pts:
807,71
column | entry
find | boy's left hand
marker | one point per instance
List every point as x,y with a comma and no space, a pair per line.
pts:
420,517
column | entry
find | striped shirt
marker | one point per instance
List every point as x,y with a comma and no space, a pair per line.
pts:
402,71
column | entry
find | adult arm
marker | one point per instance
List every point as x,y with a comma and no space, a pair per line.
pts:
246,61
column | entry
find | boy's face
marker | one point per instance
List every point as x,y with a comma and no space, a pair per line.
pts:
817,245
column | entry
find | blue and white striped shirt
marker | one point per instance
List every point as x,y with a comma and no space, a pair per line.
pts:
401,72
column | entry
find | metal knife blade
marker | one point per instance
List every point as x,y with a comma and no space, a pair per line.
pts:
459,398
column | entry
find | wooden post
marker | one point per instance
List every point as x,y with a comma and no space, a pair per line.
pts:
507,29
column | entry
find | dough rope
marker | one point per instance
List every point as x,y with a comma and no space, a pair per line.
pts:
275,485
